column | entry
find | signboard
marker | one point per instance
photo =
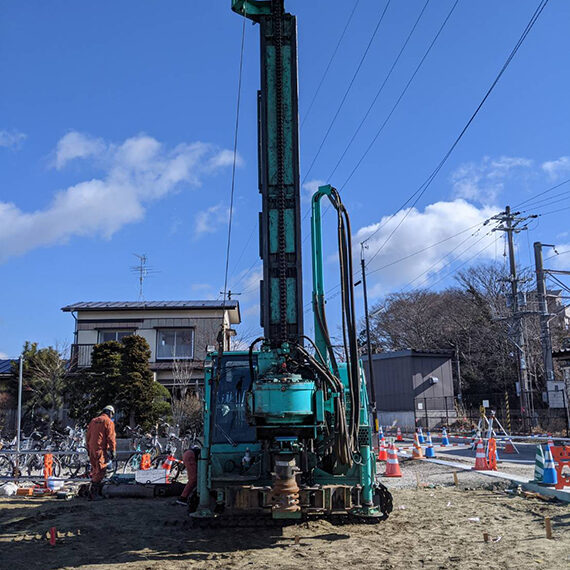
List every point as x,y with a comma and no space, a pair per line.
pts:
485,403
420,406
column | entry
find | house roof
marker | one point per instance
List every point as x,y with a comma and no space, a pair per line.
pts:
232,306
128,305
5,366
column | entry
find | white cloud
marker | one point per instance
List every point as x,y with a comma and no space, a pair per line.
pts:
77,145
11,139
134,173
3,355
483,182
436,223
309,188
555,168
210,220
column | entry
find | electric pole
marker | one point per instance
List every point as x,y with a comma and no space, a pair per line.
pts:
510,223
368,344
545,339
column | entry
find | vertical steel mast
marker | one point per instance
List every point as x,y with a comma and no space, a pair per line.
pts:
278,148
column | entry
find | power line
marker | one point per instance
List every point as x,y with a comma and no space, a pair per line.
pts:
547,201
448,254
347,91
418,67
421,250
427,183
542,193
380,89
475,255
236,130
329,63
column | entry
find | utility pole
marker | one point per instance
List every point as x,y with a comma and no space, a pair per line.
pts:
19,420
545,338
368,344
510,224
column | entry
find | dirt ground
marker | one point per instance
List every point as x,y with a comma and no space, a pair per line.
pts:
429,528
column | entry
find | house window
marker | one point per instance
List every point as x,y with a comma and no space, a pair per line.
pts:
117,335
174,343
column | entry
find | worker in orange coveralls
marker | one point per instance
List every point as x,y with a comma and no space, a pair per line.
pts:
189,458
101,446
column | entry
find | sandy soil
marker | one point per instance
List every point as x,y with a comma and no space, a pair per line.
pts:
429,528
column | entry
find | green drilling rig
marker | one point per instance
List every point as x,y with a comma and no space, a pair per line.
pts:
287,430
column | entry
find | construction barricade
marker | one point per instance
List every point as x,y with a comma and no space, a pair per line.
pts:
561,456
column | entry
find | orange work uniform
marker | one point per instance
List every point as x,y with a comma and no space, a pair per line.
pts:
100,439
191,470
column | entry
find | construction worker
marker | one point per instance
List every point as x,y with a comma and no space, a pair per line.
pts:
101,446
190,462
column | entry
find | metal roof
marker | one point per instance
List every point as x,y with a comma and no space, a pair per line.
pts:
5,366
445,353
129,305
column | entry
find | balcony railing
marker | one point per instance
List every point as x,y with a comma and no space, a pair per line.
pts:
81,355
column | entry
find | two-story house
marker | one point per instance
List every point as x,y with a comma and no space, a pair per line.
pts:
178,332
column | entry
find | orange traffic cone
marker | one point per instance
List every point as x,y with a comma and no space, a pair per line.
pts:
417,452
392,465
509,448
167,466
492,455
399,435
382,453
480,460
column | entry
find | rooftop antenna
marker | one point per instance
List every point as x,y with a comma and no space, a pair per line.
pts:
143,271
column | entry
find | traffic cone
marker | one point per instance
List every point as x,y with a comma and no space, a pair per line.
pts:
167,466
392,465
429,449
493,455
509,448
399,435
538,464
444,438
417,452
382,453
421,437
480,460
550,442
549,476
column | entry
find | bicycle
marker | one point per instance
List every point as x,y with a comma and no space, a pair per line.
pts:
142,444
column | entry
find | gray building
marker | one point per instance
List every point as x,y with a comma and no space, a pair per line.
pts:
178,333
413,387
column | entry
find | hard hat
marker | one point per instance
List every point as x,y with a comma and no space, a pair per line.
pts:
109,409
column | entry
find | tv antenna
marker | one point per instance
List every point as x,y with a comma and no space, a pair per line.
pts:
143,271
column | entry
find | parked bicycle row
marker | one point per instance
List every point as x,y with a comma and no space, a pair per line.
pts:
71,460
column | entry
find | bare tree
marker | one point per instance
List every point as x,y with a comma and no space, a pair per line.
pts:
186,396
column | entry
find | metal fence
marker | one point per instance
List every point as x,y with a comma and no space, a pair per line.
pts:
538,417
464,414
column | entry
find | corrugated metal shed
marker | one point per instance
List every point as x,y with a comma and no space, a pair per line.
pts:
165,305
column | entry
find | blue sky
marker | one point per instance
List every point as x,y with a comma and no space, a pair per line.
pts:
116,133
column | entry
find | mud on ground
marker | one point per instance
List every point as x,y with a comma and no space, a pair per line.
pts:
429,528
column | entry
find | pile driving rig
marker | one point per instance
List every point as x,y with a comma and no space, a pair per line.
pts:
287,431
